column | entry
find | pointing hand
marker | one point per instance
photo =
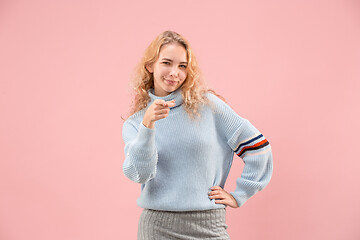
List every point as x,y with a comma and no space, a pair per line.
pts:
159,109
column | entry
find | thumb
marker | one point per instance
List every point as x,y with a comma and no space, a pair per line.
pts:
159,102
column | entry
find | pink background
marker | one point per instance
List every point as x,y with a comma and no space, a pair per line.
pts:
291,67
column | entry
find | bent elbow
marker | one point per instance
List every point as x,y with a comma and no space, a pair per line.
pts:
134,175
267,174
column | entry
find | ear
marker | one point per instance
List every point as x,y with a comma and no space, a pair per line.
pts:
149,68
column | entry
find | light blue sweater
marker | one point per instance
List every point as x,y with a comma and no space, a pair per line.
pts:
180,159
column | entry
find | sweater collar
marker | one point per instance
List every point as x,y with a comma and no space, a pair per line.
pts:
174,95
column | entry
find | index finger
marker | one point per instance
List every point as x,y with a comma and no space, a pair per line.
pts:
170,103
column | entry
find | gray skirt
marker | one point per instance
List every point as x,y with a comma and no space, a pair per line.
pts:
161,225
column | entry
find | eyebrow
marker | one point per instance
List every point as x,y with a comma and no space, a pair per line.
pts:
167,59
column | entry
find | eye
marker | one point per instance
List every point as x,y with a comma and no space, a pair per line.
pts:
183,66
166,63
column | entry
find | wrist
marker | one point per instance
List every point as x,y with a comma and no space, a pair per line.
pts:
148,124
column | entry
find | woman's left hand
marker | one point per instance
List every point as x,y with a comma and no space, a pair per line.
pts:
222,196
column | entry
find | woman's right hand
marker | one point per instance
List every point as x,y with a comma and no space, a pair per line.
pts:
159,109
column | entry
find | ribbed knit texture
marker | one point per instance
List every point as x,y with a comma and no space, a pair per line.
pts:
164,225
180,159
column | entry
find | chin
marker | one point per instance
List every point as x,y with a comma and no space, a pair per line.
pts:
167,89
173,89
170,88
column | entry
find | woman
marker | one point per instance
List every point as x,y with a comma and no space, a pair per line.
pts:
180,141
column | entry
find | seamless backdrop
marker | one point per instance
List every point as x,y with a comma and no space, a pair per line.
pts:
291,67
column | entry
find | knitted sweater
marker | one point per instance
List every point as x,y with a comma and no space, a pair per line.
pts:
180,159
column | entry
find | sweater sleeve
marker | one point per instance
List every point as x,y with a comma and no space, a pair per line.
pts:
140,152
249,144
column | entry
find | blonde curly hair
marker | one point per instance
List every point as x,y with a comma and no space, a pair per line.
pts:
193,88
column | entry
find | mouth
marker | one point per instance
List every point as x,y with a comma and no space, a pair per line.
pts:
171,82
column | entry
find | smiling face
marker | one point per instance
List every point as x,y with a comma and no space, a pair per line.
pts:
169,70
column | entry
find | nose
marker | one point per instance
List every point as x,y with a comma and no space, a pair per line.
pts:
174,72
